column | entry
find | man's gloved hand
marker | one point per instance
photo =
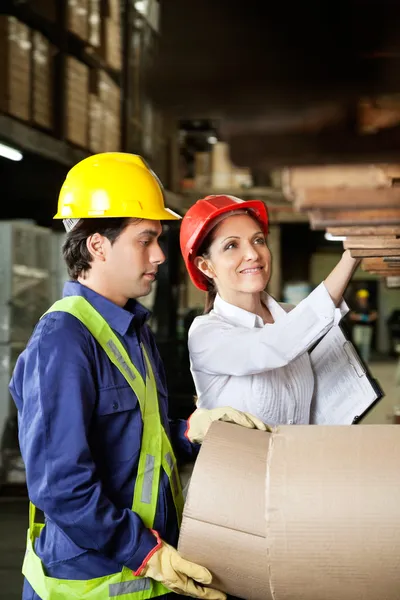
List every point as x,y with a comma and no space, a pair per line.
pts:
200,421
179,575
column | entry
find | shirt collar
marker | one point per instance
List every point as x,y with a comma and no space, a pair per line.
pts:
117,317
239,316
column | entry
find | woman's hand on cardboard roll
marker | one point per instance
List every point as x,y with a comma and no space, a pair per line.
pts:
181,576
200,421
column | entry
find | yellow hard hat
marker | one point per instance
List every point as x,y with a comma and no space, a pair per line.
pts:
363,294
112,184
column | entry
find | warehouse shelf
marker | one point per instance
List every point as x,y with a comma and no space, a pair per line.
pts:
28,139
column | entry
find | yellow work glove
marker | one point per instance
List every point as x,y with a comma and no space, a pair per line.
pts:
200,421
179,575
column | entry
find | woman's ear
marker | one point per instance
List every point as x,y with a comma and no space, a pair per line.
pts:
203,265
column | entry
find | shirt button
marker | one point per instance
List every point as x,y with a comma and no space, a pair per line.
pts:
115,405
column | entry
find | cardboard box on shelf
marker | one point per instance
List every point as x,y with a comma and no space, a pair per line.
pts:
78,18
224,174
241,177
95,23
42,104
96,124
302,513
77,102
202,170
221,167
110,98
112,9
111,48
15,67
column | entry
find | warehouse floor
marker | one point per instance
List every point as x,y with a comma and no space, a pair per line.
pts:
13,511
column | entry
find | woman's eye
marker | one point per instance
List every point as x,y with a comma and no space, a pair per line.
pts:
230,246
259,240
145,242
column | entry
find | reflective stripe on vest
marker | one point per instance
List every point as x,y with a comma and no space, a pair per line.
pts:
156,453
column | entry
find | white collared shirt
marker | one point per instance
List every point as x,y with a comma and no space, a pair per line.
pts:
264,370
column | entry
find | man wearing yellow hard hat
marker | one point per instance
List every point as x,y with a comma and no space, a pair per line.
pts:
90,390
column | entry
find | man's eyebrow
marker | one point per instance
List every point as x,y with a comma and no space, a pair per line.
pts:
151,232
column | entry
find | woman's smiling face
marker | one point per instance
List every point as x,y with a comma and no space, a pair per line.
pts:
238,260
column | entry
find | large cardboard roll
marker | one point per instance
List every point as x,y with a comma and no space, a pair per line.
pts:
304,513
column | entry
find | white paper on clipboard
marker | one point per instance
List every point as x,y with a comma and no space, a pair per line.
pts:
343,389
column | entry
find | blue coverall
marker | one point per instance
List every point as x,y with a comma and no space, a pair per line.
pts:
80,430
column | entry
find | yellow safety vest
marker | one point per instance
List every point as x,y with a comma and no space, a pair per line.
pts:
156,453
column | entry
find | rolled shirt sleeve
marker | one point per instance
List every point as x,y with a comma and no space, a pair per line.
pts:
218,348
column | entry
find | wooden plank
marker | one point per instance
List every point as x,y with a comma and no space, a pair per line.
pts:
384,272
366,230
321,219
371,252
330,176
371,242
347,198
392,259
368,264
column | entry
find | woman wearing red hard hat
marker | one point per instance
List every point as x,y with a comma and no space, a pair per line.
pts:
248,351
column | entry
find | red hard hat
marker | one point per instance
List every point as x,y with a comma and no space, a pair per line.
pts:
197,223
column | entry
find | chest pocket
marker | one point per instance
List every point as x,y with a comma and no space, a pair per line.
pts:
118,426
116,399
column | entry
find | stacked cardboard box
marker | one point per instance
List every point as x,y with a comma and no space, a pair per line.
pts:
111,35
224,175
78,18
104,113
96,124
15,67
77,102
202,170
95,23
42,105
110,98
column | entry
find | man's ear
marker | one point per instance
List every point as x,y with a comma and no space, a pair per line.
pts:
96,244
203,265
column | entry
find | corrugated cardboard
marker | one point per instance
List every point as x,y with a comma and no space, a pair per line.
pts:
304,513
15,67
77,102
42,81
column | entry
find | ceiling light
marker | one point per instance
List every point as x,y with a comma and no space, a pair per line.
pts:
10,153
334,238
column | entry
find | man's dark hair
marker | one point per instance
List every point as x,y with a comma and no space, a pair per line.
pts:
75,252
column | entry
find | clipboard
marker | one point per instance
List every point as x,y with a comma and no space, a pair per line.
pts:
345,391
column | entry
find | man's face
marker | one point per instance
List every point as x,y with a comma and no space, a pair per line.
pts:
132,262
